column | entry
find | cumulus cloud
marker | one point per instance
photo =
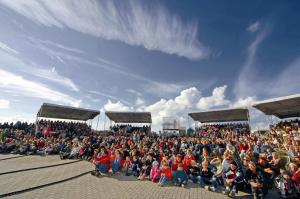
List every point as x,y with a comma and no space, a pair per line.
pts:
216,100
117,106
4,104
132,22
177,107
244,102
17,84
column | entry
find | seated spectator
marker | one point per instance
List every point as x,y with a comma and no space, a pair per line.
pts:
116,161
166,175
126,166
155,172
206,177
102,162
65,152
233,179
194,172
180,177
146,168
286,185
257,181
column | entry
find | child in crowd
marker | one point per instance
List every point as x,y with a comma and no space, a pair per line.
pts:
234,178
155,172
286,185
126,166
180,177
194,172
146,168
135,166
206,177
256,180
166,175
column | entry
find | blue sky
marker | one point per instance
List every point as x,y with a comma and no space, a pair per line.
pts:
167,57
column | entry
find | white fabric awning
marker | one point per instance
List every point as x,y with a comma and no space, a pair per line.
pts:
283,107
221,115
66,112
129,117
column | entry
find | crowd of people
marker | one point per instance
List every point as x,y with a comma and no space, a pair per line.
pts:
226,158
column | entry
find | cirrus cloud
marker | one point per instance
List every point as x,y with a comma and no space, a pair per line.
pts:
132,23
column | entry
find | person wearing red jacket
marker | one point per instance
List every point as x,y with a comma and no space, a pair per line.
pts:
166,175
102,162
116,161
187,160
177,161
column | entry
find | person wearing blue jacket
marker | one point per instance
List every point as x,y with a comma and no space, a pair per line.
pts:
180,176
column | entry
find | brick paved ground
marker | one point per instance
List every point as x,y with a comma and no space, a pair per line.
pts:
88,186
27,162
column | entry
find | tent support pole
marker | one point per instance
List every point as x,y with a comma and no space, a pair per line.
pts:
248,117
104,122
98,121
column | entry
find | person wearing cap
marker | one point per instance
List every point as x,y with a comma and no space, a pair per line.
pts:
256,180
234,178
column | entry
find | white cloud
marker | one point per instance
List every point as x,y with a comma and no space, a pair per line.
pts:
134,23
17,84
150,86
4,104
109,96
60,46
139,102
52,75
191,100
254,27
176,107
245,102
8,49
13,61
288,81
135,92
216,100
18,117
117,106
248,78
252,82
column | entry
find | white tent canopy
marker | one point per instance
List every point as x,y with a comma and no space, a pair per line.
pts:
221,115
66,112
283,107
129,117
